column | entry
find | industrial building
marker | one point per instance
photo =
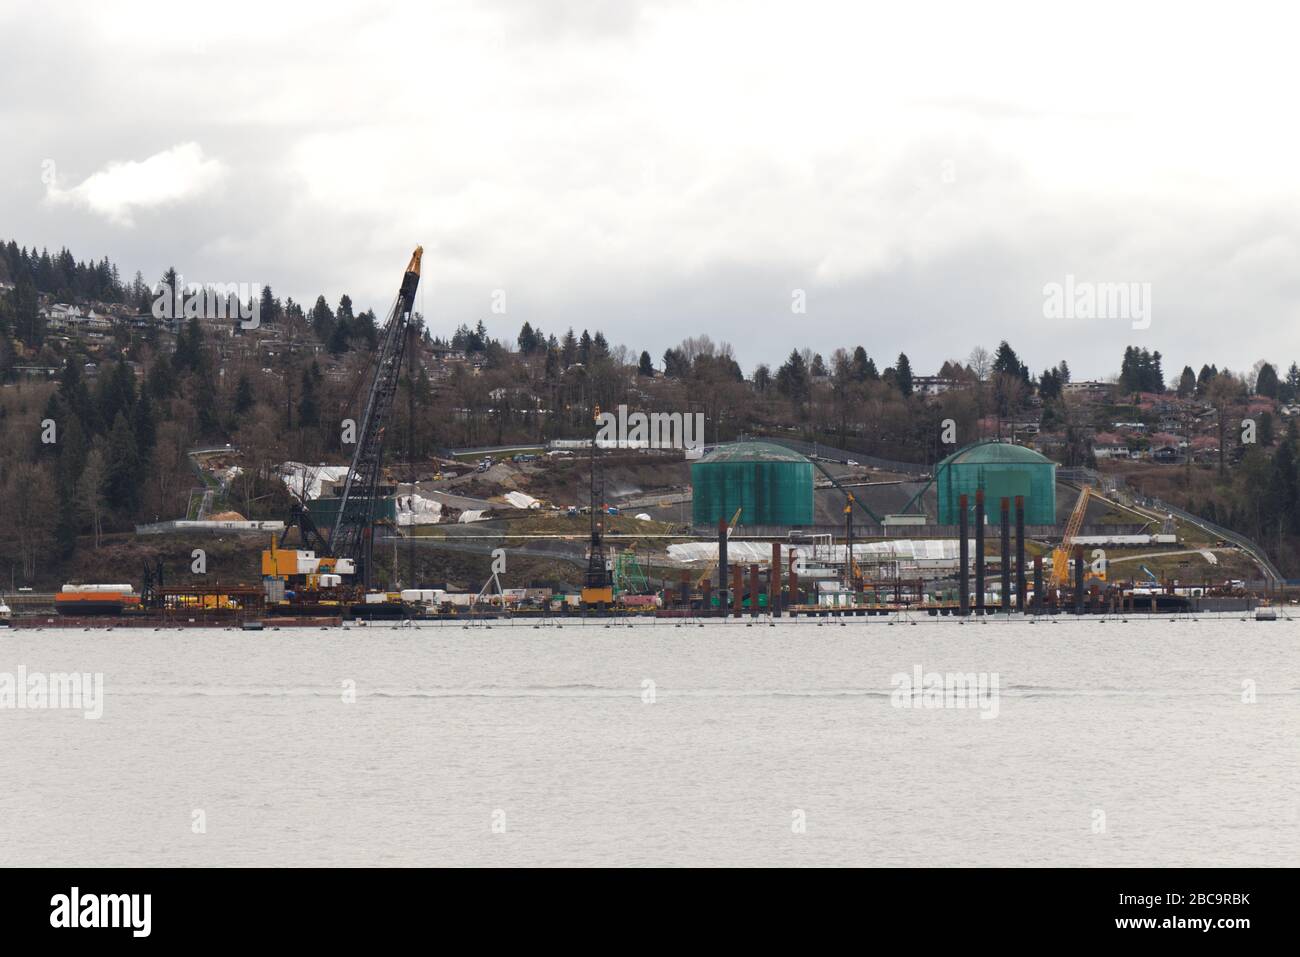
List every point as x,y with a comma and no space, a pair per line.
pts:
1000,470
769,484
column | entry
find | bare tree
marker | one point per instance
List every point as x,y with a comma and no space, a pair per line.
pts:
90,493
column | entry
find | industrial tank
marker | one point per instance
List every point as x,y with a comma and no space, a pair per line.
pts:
1001,469
770,484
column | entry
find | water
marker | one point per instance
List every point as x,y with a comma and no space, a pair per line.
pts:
517,745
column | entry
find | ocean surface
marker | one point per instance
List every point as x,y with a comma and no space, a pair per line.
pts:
1113,744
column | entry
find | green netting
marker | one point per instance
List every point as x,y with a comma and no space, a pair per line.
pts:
766,492
1002,471
324,511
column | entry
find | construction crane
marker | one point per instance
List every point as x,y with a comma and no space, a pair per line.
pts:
1061,554
351,535
710,569
848,495
597,589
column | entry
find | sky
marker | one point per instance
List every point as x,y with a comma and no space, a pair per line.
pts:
907,177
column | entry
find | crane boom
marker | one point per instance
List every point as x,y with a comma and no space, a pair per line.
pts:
350,535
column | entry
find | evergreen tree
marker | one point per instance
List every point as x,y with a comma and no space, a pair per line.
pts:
903,372
123,478
1266,382
243,395
322,319
144,426
792,378
308,404
527,339
569,349
645,367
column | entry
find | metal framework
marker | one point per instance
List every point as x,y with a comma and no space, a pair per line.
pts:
351,535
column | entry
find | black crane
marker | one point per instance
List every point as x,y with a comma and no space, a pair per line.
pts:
351,536
597,589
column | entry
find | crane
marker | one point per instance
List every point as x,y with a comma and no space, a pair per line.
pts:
1061,554
597,590
711,568
351,534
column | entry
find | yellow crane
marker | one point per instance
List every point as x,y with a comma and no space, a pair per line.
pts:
1061,554
714,567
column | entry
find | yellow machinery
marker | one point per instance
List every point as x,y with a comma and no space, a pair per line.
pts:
1061,554
302,568
731,525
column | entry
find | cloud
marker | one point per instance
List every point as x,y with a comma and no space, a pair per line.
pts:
120,189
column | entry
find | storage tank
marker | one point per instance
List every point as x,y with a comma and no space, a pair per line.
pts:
770,484
1001,469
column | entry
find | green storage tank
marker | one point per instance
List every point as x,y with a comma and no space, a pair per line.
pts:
1001,470
770,484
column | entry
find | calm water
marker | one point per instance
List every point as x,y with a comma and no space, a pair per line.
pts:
545,733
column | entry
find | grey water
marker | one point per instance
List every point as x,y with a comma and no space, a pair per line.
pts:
1151,742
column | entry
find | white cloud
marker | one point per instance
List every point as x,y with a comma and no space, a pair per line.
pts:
120,189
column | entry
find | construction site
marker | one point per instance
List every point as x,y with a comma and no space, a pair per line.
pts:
760,526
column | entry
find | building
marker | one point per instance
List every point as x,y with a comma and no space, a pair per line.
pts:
1001,470
1088,390
770,484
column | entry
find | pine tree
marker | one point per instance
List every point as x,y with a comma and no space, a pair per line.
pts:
903,373
569,349
243,395
123,475
144,426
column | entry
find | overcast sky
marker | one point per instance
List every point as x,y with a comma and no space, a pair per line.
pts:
659,170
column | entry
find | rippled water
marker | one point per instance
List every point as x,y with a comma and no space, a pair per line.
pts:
1113,744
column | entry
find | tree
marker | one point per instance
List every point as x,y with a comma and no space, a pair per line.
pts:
676,365
90,493
269,306
792,378
645,367
1049,385
308,404
1187,383
1266,381
1292,390
340,336
863,368
243,395
527,339
122,478
144,426
322,319
1007,363
903,374
1223,393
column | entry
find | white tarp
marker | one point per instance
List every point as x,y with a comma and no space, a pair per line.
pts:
472,515
760,553
296,476
418,510
520,500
